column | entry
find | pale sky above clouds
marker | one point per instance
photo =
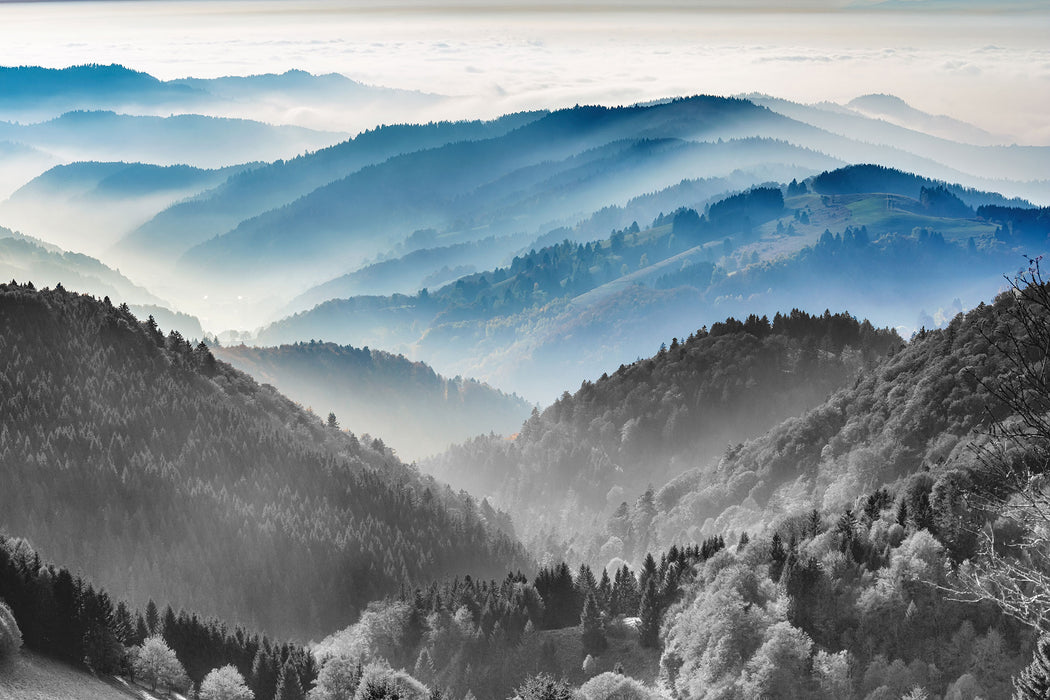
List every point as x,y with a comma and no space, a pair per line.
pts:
983,66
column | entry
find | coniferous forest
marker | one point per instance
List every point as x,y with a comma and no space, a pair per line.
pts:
505,351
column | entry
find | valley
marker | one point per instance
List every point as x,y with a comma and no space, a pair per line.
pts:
318,388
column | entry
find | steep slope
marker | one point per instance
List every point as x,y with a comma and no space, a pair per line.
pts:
916,411
417,411
649,421
159,471
32,676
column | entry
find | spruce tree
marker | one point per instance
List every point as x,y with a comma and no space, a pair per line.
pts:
1034,681
263,678
777,557
288,687
152,616
594,641
649,614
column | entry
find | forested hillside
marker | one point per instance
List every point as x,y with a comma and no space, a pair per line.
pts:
417,411
78,626
574,463
914,414
885,552
160,471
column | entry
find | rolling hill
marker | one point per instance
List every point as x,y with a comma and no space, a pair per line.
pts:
416,411
549,317
88,206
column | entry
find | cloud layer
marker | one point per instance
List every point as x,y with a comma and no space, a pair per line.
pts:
990,69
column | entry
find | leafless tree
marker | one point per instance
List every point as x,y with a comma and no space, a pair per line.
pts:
1014,457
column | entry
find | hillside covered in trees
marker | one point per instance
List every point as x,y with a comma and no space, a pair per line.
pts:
162,472
857,573
417,411
649,421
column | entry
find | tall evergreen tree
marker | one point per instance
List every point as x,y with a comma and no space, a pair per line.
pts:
649,614
152,615
288,687
263,678
594,641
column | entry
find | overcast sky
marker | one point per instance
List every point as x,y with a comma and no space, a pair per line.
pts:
969,59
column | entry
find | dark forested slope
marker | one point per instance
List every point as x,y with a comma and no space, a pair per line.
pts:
417,411
162,472
654,418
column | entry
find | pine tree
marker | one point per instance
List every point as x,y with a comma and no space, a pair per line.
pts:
1034,681
649,614
591,623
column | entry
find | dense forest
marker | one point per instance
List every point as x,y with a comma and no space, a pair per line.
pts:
417,411
159,471
651,420
65,616
920,579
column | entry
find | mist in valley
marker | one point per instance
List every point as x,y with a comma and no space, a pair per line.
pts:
524,350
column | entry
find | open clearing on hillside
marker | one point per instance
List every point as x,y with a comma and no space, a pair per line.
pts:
35,677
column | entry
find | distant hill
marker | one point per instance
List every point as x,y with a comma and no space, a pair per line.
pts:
897,111
166,473
20,163
407,274
187,139
34,94
24,258
88,206
556,169
212,213
547,319
416,411
1016,170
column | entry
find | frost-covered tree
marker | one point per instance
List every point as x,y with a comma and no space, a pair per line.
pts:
225,683
155,663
